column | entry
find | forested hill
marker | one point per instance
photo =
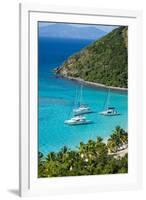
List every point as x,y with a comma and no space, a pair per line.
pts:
105,61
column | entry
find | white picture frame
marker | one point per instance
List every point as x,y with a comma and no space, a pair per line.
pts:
29,184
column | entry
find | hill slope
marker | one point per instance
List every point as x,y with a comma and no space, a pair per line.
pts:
105,61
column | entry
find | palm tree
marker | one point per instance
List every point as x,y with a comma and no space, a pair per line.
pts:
64,149
64,152
121,135
82,149
112,147
117,139
51,156
99,139
40,156
73,157
41,165
90,158
91,154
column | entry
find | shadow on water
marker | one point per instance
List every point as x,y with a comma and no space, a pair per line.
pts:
81,124
91,112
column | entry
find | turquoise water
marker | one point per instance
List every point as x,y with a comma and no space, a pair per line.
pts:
57,98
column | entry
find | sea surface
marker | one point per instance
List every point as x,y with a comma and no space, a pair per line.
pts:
57,99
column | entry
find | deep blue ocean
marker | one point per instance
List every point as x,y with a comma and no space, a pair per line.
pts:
57,97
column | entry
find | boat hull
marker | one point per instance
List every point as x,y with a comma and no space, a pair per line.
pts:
82,112
109,114
77,123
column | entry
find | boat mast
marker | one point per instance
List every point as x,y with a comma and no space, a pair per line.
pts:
108,98
81,95
76,98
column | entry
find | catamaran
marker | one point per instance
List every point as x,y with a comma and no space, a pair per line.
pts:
82,108
109,111
78,112
77,120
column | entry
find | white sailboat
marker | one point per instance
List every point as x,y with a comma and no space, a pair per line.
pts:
82,108
77,120
109,110
78,112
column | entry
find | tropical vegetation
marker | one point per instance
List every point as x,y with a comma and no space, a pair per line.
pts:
91,158
104,61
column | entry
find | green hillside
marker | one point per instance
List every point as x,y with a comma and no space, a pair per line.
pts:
105,61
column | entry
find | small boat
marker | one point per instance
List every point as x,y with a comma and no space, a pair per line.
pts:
108,110
77,120
81,108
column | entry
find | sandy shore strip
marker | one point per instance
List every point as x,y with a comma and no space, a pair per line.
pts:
121,153
97,85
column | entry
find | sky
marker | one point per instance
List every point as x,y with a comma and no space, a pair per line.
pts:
106,28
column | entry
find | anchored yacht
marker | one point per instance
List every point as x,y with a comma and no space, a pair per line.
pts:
109,111
77,120
81,108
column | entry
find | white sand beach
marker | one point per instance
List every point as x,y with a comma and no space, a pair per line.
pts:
95,84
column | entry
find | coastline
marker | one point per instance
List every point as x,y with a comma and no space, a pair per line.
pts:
97,85
120,153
